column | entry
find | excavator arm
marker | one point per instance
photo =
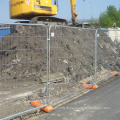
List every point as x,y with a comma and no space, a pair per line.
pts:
74,14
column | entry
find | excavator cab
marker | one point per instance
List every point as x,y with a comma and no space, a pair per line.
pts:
27,9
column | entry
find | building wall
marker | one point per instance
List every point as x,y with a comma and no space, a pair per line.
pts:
114,35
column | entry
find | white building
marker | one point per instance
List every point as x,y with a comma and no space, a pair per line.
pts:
114,35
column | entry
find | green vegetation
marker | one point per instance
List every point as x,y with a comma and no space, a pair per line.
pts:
109,17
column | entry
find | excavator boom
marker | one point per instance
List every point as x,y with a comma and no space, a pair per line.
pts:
74,14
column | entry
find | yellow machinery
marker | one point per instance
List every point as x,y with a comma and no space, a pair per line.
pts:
38,10
26,9
74,14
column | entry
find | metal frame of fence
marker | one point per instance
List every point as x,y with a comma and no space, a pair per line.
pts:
96,53
46,90
48,62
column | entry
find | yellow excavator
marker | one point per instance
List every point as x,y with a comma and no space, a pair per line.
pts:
39,11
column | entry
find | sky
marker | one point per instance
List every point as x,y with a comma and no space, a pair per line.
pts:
85,9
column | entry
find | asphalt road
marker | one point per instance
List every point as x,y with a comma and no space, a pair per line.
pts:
100,104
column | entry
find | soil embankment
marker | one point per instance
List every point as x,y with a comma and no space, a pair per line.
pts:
23,63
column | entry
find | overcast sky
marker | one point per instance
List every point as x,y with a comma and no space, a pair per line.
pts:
85,9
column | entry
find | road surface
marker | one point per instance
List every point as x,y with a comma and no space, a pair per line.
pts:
100,104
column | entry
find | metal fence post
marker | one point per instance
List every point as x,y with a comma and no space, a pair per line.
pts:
49,36
47,91
95,69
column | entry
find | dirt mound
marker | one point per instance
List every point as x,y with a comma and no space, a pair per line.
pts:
23,59
25,52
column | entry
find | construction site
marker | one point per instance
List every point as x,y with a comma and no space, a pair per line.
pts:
46,62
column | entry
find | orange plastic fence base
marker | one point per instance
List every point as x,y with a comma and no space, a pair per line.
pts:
86,85
112,73
48,109
91,87
94,87
118,73
37,103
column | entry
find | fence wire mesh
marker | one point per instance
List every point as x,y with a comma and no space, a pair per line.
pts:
72,52
107,52
30,56
23,63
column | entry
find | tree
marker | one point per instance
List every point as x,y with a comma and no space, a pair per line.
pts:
113,13
118,21
111,16
105,20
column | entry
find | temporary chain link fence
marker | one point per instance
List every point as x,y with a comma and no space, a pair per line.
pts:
50,64
107,53
23,65
71,60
